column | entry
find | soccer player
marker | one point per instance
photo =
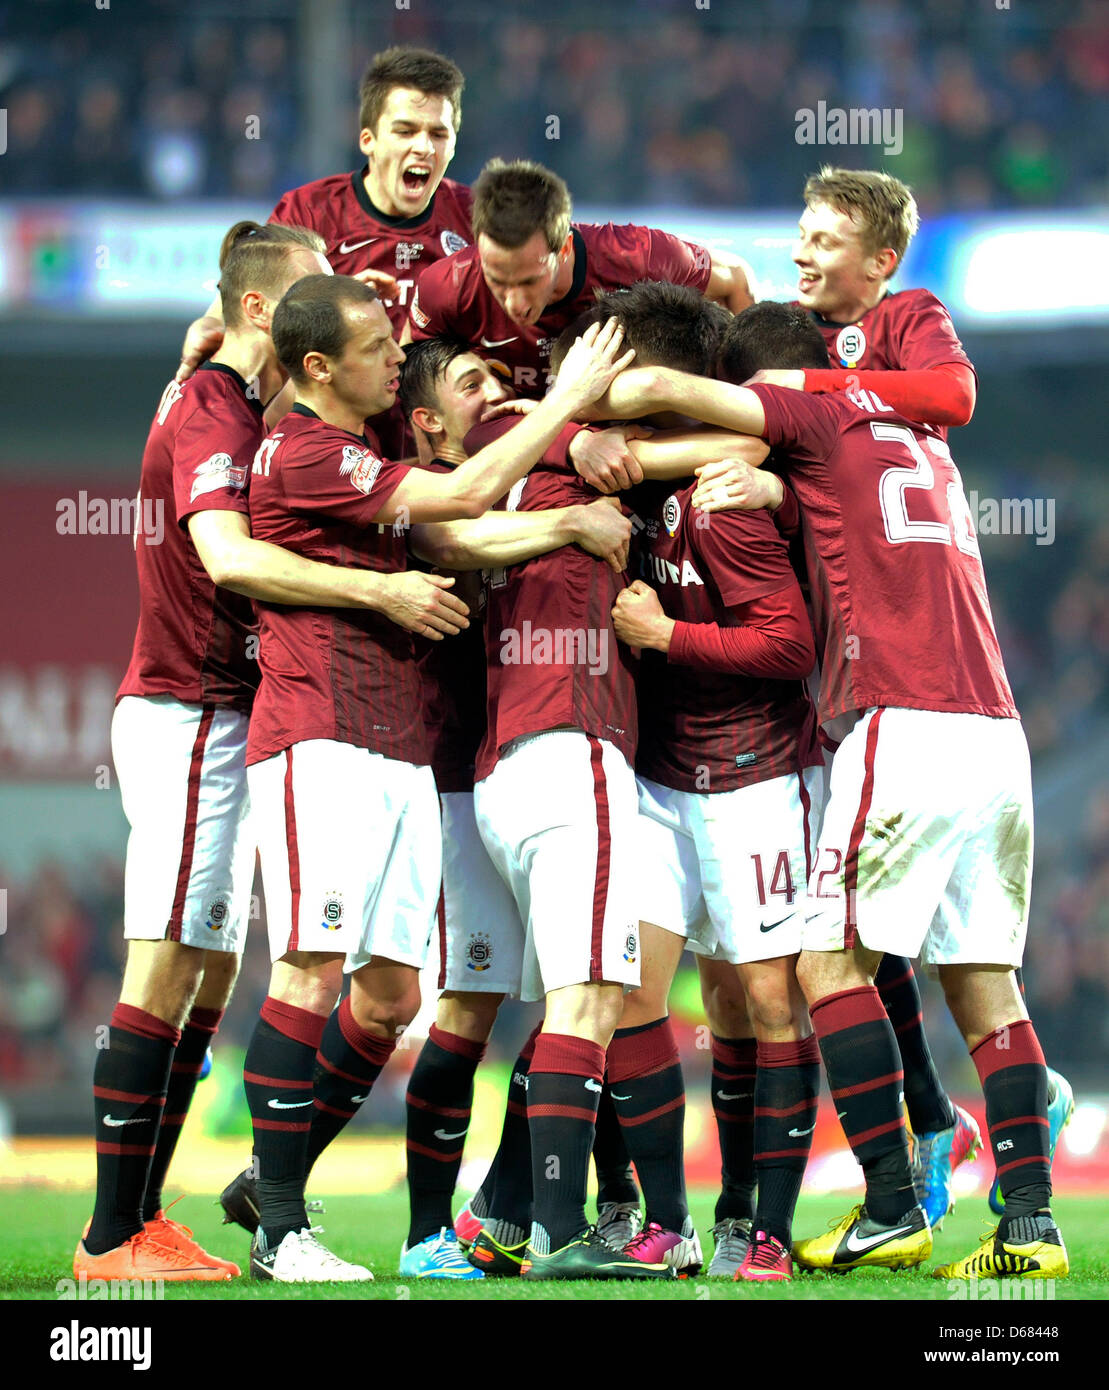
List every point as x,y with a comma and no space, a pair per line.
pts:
349,829
398,214
179,740
926,842
532,272
445,389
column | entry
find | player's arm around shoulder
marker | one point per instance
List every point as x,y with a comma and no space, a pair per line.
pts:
731,282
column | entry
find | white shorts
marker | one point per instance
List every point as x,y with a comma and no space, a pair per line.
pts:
558,817
926,846
351,851
190,854
728,871
481,937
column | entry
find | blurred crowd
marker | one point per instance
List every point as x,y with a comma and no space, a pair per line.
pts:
656,101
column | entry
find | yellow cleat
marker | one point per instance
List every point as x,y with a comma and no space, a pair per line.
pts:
857,1242
1041,1256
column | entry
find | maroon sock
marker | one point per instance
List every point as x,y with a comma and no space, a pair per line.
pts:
733,1104
196,1038
348,1062
864,1076
645,1080
129,1093
277,1075
785,1116
440,1096
564,1086
1013,1075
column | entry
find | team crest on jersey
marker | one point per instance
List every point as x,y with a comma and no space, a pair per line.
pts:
479,952
218,912
218,471
452,242
407,252
631,946
850,345
362,466
332,912
671,515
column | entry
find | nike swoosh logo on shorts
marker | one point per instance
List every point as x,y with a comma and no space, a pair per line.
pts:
346,249
116,1124
592,1085
287,1104
500,342
800,1133
442,1134
778,923
857,1247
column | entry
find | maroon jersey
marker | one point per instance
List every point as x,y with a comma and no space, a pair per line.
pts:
192,639
740,729
899,596
553,657
361,237
454,299
339,673
452,679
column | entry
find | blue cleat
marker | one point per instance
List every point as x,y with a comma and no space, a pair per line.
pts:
1060,1107
438,1257
938,1155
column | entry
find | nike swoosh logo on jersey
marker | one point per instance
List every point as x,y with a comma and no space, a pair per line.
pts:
287,1104
116,1124
857,1246
800,1133
778,923
442,1134
485,342
592,1085
347,248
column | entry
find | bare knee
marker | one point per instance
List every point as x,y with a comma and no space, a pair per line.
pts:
468,1015
162,978
724,999
221,970
384,999
769,1000
307,980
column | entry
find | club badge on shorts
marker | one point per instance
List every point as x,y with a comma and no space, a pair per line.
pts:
479,952
218,912
332,912
631,946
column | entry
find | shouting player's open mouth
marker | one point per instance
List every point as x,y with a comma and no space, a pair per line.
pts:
415,179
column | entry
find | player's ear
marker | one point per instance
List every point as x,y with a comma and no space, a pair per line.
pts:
430,421
566,250
366,140
316,367
885,262
257,310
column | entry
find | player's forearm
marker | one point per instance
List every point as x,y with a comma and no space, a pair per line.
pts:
730,283
495,540
274,575
780,650
942,395
677,454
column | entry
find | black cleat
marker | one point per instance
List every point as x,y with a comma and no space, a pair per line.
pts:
239,1200
589,1256
491,1257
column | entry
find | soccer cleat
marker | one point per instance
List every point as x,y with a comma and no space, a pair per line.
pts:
589,1256
767,1261
731,1237
301,1259
239,1200
657,1246
467,1226
1033,1249
619,1222
857,1242
1060,1107
172,1233
491,1257
938,1155
437,1257
144,1257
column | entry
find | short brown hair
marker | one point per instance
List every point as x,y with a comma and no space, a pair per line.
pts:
310,318
418,68
883,206
514,201
252,257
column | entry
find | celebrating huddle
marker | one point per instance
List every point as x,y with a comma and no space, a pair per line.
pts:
577,738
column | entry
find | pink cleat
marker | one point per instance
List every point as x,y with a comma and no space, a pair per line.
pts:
656,1246
467,1227
767,1262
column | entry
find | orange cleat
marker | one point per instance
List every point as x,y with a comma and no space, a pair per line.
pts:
145,1257
171,1233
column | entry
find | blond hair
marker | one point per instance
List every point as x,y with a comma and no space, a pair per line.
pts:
883,206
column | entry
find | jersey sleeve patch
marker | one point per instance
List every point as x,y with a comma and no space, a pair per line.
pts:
219,471
361,466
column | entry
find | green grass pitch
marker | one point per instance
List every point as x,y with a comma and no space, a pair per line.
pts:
39,1229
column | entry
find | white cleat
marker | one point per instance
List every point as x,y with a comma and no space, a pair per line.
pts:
731,1237
619,1223
301,1259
